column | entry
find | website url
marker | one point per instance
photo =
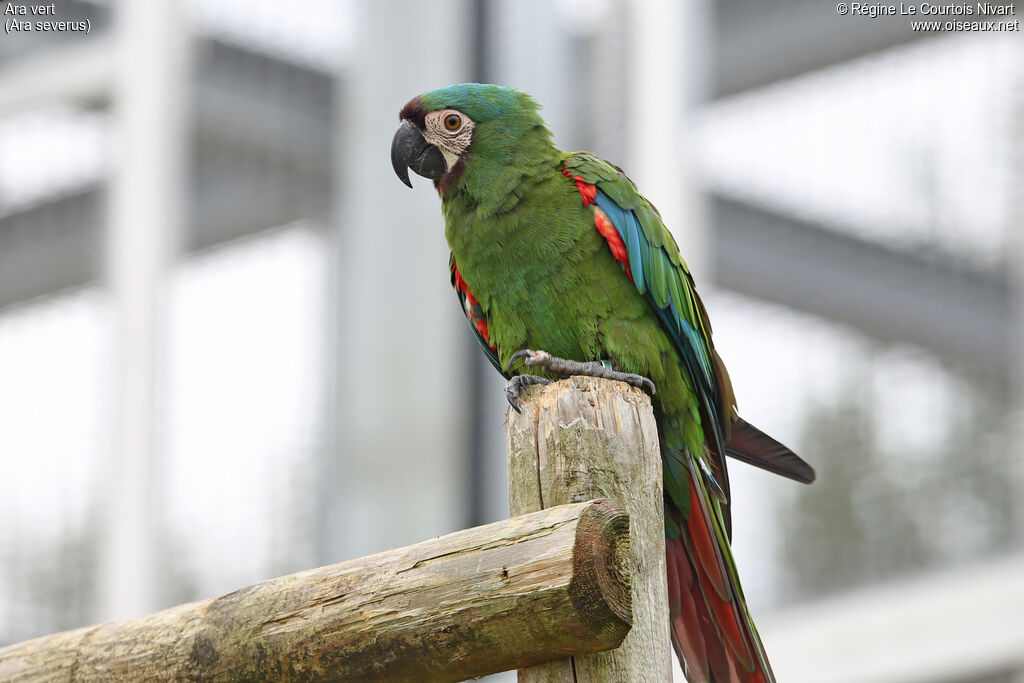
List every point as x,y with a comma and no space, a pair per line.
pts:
953,25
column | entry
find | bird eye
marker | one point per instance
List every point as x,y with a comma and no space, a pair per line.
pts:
453,122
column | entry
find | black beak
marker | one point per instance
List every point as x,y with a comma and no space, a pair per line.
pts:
410,150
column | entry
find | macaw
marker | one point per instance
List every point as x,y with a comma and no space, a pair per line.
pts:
562,267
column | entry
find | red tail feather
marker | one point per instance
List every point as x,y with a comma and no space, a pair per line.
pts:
686,613
702,538
710,629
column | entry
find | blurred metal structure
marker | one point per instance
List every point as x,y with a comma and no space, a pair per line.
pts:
757,45
269,140
256,120
894,295
390,255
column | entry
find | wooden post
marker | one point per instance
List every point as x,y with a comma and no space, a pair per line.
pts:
584,438
488,599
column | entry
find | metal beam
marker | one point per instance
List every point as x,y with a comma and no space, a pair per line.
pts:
257,161
372,415
892,295
759,43
51,246
57,245
261,163
80,72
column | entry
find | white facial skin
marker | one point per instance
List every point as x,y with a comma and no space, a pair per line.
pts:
450,131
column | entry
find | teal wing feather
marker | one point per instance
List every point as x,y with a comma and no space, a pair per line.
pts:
659,272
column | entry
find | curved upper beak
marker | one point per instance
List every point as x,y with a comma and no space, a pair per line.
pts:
410,150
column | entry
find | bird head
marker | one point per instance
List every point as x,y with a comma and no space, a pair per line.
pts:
440,129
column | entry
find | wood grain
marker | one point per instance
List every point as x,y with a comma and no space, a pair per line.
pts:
496,597
586,438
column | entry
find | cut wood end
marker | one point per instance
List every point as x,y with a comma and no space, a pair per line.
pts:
536,397
601,587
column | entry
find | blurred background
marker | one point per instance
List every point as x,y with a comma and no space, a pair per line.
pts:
229,349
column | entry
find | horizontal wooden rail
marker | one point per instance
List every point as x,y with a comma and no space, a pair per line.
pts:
525,590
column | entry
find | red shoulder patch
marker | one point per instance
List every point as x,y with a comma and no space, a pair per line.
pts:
604,225
587,190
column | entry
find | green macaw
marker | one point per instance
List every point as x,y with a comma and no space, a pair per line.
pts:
562,267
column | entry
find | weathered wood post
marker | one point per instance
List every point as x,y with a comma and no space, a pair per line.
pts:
587,438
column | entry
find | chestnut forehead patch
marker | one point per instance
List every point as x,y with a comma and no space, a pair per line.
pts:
413,111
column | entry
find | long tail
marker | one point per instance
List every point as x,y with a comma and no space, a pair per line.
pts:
754,447
712,632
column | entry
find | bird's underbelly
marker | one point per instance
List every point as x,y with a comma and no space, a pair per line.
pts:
555,324
589,312
585,315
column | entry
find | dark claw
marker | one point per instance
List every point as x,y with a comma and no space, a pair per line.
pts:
512,393
633,380
646,384
517,384
521,353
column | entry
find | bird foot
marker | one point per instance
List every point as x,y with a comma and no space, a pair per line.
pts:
516,385
568,368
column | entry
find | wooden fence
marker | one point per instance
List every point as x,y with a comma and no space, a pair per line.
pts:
572,588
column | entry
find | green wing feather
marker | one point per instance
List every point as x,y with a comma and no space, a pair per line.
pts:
659,272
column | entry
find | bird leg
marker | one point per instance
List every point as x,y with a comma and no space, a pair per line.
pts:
566,368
